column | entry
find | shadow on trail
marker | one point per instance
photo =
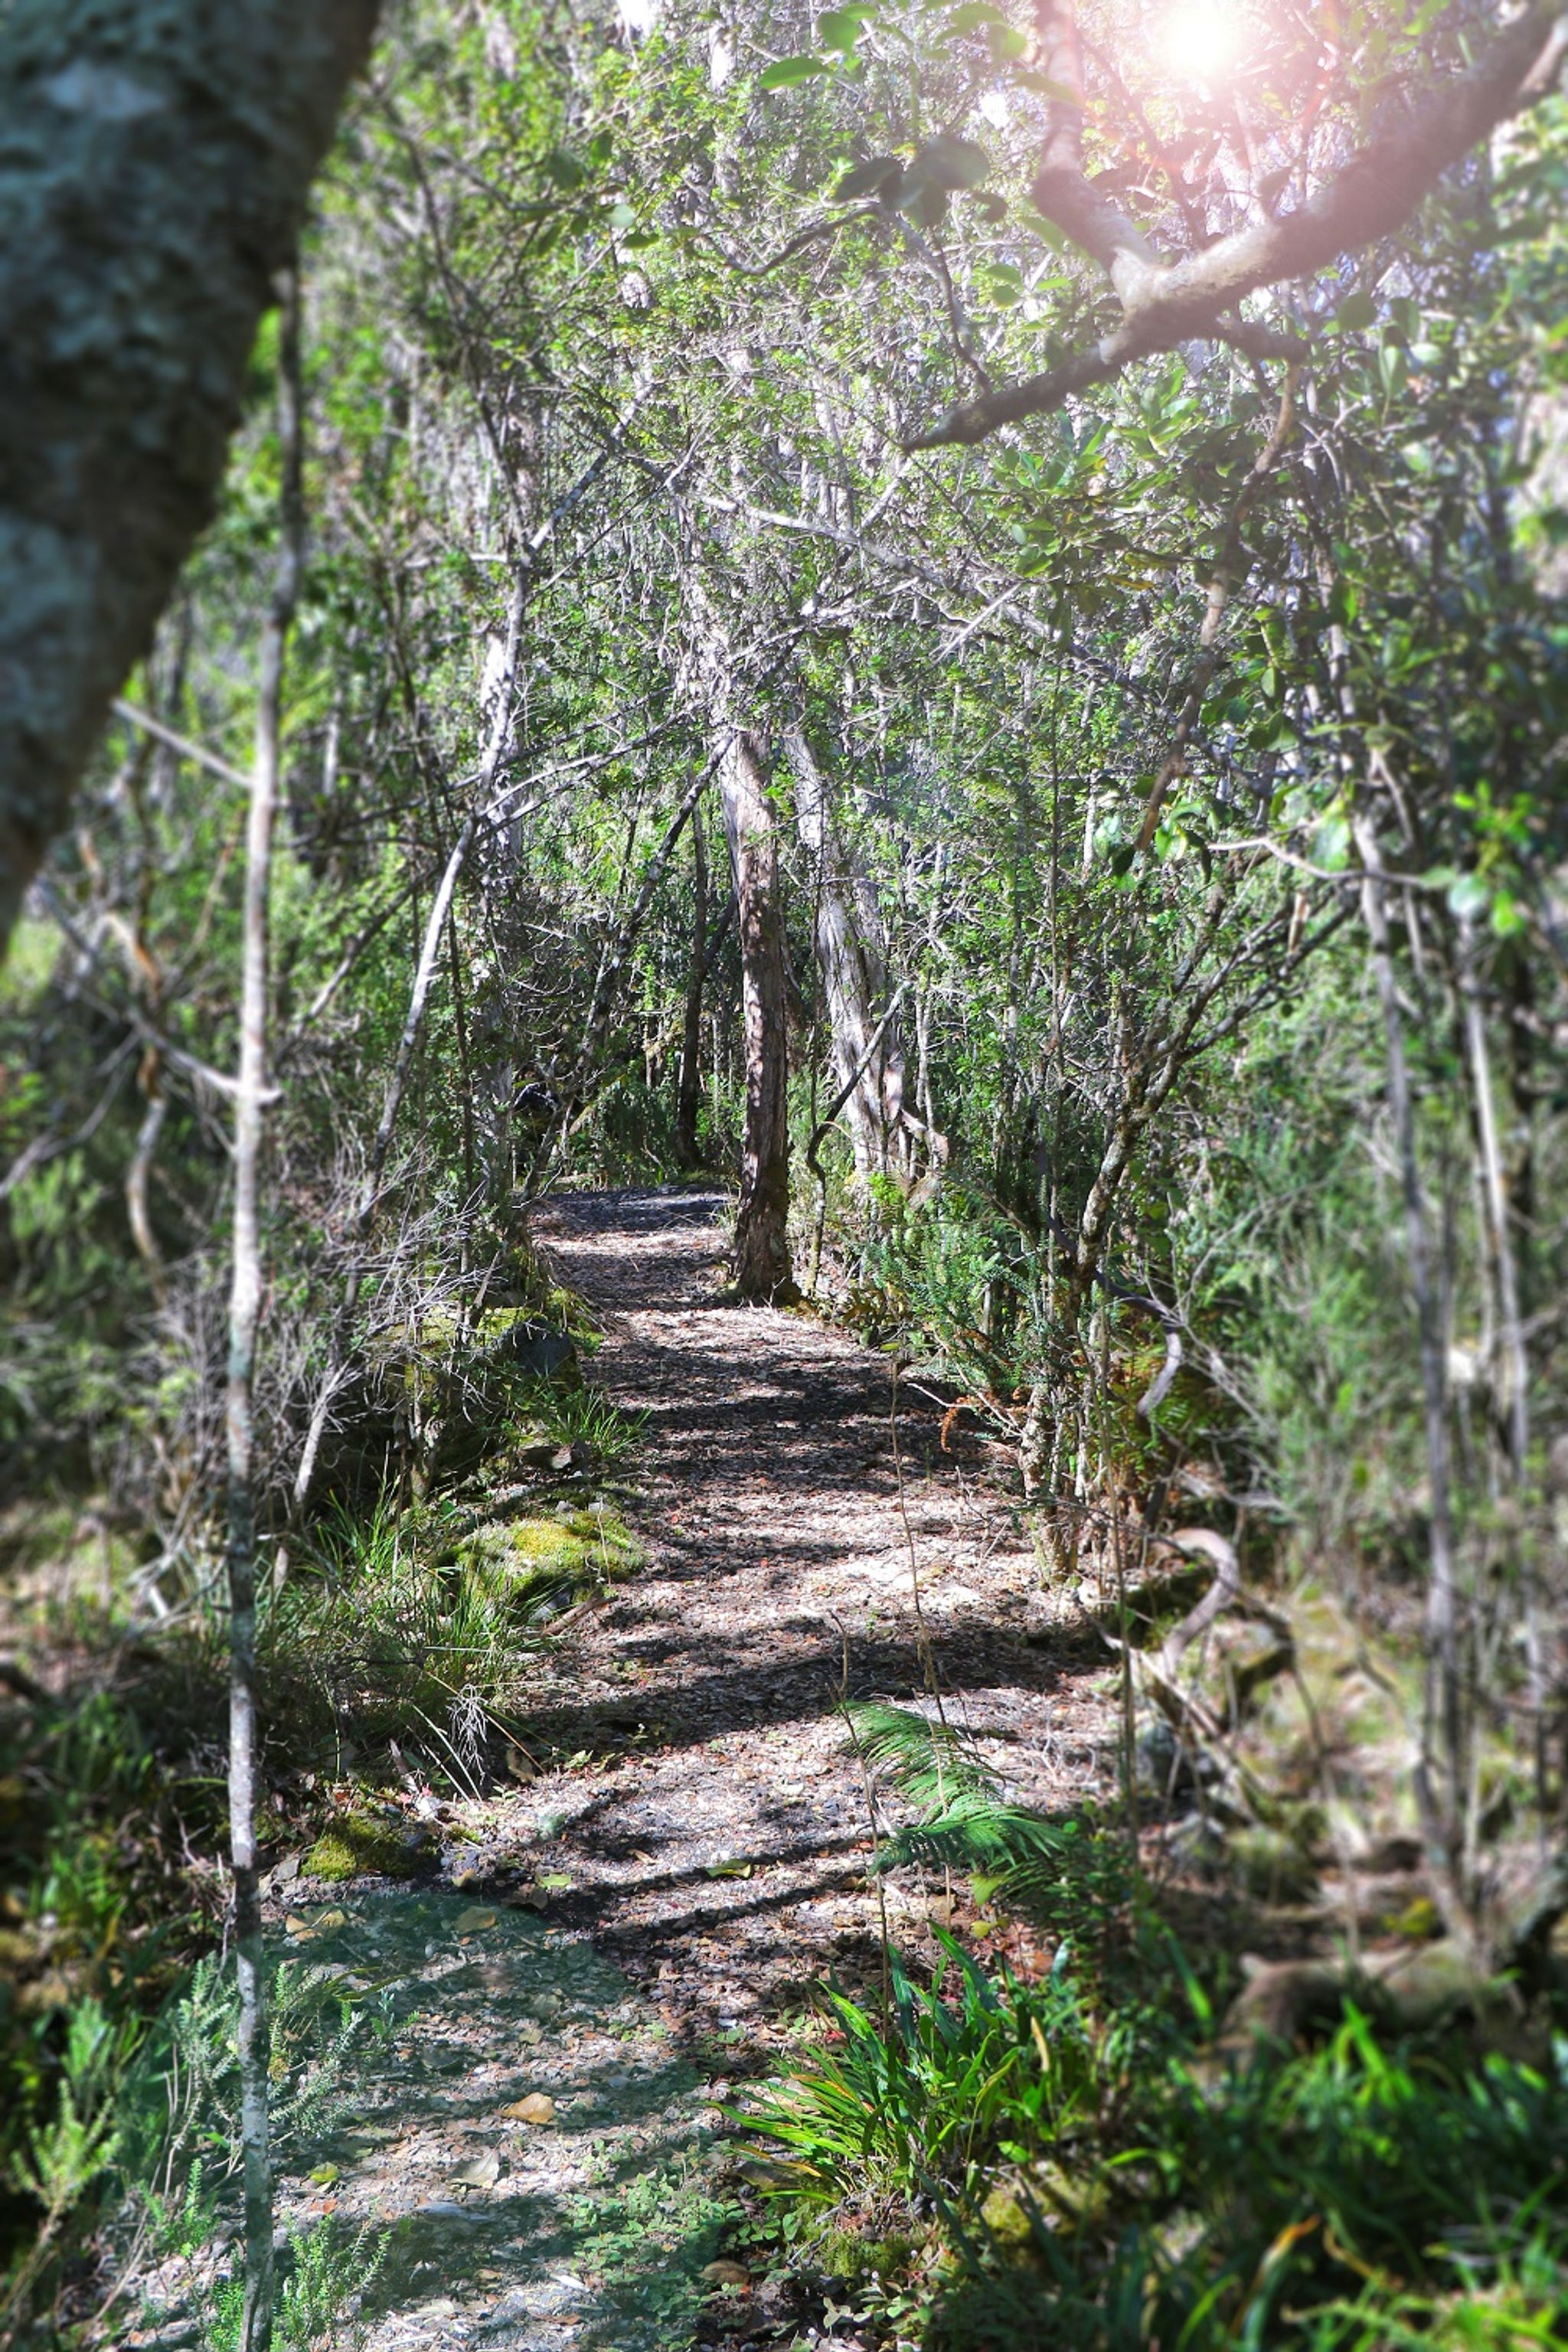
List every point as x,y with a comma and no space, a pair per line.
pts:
588,2229
698,1690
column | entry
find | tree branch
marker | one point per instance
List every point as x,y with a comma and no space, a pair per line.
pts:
1165,305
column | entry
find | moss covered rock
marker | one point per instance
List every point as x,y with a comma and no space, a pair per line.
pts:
359,1847
1272,1865
579,1550
850,2257
1008,2219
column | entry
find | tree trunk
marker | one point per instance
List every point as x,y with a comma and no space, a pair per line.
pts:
1511,1391
690,1093
156,166
1443,1743
763,1269
245,1305
851,958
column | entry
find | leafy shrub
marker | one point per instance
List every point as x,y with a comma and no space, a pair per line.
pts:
1093,2190
1096,2186
918,2103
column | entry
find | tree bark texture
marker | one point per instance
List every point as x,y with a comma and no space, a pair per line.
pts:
852,961
155,160
690,1095
762,1267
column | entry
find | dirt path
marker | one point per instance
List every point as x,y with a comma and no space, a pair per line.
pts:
783,1535
639,1926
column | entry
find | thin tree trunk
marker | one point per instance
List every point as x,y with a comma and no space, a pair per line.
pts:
497,741
1442,1737
690,1093
137,1174
245,1305
158,163
851,958
1443,1743
763,1269
413,1026
611,971
1514,1399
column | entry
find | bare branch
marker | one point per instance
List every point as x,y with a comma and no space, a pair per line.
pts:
180,743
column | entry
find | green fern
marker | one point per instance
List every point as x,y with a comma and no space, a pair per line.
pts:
964,1823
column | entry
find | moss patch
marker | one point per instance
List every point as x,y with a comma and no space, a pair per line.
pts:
355,1847
582,1549
845,2254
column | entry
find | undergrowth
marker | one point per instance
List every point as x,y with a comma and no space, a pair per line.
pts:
404,1638
991,2162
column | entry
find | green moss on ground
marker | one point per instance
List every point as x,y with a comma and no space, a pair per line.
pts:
584,1549
356,1847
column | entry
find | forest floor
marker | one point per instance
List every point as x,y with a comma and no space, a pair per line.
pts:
636,1930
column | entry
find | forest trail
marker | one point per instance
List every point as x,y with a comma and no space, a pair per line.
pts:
703,1857
782,1530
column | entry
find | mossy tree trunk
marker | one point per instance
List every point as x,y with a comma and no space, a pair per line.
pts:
155,159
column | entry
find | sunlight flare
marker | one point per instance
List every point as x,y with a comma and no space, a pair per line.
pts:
1200,40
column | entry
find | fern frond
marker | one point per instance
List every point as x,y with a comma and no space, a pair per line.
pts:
965,1823
929,1763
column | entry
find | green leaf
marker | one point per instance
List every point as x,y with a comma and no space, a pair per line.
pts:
1003,284
1331,849
1393,369
952,162
567,169
1469,896
975,16
787,71
839,28
877,178
1006,43
1356,313
1057,91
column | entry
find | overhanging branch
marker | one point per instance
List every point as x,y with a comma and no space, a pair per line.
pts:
1167,304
